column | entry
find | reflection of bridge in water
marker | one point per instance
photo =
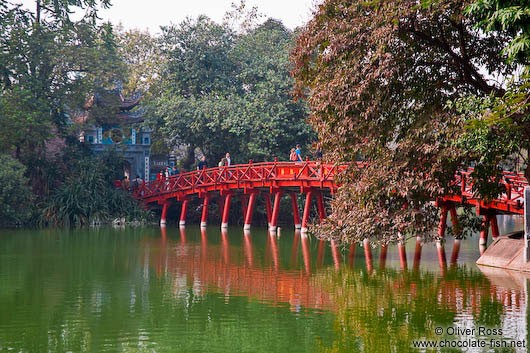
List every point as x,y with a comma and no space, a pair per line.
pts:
226,269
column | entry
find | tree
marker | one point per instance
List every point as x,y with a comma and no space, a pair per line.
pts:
228,92
510,16
378,76
50,66
15,194
143,59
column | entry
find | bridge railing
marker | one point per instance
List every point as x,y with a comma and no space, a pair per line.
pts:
514,184
265,172
241,173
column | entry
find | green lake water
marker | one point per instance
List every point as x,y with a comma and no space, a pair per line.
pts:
171,290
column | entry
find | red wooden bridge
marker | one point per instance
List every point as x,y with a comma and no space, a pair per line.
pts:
248,181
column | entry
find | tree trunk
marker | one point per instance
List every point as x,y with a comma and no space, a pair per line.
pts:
189,160
37,13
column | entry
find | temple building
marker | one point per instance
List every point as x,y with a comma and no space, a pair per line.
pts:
113,123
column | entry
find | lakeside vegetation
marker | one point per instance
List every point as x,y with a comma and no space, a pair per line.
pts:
207,88
419,89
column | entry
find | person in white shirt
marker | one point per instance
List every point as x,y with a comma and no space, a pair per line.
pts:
228,161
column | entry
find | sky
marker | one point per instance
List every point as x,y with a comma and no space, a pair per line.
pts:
151,14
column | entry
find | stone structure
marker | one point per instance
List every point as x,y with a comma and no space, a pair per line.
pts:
117,125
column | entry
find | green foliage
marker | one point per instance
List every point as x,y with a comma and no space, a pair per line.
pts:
49,67
511,16
143,58
229,92
15,194
89,196
495,134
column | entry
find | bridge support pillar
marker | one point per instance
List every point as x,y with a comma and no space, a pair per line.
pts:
494,227
226,211
296,214
307,211
163,218
204,217
184,212
250,210
485,229
269,208
275,210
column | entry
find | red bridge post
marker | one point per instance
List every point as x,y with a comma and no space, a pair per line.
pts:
163,218
250,210
276,210
494,227
184,212
307,211
226,211
296,214
204,217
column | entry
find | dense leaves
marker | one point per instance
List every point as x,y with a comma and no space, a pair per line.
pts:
88,196
378,76
227,91
511,16
49,66
15,195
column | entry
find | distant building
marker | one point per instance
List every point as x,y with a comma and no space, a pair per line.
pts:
117,125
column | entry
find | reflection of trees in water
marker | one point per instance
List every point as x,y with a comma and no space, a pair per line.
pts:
389,309
382,310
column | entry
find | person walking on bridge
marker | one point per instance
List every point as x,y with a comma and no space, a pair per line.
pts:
228,160
293,157
174,171
298,153
202,164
